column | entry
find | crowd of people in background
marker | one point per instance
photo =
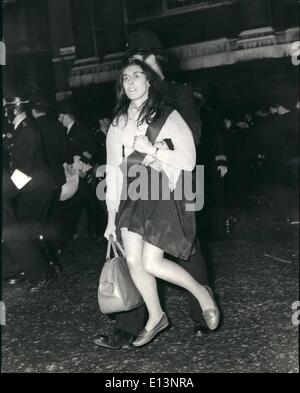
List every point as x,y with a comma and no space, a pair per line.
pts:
47,184
263,150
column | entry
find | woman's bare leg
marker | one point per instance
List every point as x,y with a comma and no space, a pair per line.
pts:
155,264
145,282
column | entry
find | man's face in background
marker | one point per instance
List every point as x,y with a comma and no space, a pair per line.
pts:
64,119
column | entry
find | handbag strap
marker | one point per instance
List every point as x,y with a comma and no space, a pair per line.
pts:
112,244
120,248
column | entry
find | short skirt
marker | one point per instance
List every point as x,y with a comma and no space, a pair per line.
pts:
163,223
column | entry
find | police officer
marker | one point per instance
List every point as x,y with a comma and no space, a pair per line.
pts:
35,199
212,154
54,142
26,259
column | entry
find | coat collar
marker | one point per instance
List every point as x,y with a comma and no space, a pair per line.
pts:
71,127
18,120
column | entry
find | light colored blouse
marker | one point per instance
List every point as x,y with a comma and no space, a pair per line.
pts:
172,162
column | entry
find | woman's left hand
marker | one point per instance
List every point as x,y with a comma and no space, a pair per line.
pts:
142,145
161,145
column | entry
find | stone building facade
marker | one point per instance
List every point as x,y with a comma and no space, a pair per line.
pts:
74,47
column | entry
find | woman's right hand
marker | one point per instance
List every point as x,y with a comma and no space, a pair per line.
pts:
110,231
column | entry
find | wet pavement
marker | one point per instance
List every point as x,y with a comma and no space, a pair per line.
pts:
256,278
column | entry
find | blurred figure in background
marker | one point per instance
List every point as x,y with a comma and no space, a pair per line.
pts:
83,148
238,187
212,154
26,261
104,124
33,204
55,147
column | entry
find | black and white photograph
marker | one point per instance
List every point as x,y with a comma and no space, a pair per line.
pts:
150,189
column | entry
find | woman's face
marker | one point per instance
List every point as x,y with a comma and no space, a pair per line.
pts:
135,83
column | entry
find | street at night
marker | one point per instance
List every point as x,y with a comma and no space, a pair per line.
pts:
256,273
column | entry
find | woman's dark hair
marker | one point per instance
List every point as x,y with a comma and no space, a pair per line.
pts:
161,57
151,109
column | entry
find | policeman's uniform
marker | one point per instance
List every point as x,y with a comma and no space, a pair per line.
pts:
24,253
35,200
212,154
55,147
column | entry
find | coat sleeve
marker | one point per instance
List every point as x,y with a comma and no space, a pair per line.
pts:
65,151
186,106
218,140
89,143
9,190
28,145
183,156
114,177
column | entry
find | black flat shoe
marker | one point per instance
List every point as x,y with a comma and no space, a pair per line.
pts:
106,342
15,278
47,279
201,330
57,266
118,340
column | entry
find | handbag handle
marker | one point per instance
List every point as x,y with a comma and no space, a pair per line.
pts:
112,244
120,248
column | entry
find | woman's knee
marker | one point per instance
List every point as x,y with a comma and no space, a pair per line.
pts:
133,261
150,264
133,245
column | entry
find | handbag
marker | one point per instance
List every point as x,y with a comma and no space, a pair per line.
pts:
116,290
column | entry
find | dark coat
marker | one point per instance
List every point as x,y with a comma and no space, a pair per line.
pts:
27,155
212,149
81,140
180,97
9,190
55,146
